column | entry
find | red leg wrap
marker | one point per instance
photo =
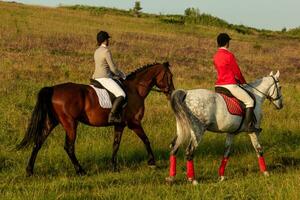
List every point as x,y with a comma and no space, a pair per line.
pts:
190,169
222,166
262,164
172,165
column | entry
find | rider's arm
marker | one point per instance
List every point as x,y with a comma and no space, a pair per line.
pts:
112,66
237,72
110,62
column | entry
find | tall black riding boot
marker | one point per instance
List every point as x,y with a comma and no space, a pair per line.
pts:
115,115
249,121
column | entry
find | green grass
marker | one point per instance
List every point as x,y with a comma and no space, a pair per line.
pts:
43,46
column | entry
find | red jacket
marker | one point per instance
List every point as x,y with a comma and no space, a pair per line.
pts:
227,68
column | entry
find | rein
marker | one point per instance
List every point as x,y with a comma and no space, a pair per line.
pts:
269,97
166,91
154,89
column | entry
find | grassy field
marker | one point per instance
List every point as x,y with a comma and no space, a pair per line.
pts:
46,46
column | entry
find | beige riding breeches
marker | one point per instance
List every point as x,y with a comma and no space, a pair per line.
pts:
112,86
240,94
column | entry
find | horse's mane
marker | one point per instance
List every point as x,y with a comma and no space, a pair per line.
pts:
133,73
256,82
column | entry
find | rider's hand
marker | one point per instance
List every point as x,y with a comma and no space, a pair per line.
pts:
123,75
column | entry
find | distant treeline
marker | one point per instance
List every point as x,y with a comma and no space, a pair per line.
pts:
192,16
102,10
294,31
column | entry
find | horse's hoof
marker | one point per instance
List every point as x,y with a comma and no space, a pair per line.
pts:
152,166
170,179
116,170
222,178
193,181
81,173
265,173
29,173
151,162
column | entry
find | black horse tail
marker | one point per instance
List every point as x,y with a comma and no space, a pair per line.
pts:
181,112
37,125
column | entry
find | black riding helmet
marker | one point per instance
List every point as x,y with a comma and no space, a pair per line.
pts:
222,39
102,36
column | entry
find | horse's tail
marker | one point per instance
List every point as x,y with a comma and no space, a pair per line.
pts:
182,119
37,125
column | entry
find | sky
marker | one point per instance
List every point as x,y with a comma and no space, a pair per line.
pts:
262,14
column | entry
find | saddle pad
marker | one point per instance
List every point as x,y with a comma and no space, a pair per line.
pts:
233,105
103,97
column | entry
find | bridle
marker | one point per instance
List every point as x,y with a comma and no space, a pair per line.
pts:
166,90
269,97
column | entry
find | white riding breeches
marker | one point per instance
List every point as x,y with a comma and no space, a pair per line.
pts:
240,94
112,86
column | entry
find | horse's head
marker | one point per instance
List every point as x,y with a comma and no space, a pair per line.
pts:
164,79
274,92
156,74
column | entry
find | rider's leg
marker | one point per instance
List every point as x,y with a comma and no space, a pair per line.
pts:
116,110
249,120
243,96
115,115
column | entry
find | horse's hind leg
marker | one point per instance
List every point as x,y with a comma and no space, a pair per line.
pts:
259,152
176,142
228,144
38,144
70,126
172,171
190,172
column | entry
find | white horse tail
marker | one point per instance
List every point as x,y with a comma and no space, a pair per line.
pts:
182,119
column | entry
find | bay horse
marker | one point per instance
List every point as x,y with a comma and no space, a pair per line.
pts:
199,110
70,103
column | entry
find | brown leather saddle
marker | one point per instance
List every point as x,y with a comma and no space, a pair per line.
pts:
238,108
226,92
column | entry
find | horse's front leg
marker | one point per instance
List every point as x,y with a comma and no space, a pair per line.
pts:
259,152
228,144
116,144
138,129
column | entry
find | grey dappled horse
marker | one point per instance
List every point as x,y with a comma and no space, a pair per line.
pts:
199,110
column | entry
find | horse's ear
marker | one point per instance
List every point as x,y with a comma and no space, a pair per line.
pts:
166,64
271,73
277,74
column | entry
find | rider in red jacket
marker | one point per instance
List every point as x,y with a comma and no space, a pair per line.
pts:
230,76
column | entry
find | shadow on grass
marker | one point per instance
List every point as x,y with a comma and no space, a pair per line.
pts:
270,140
209,146
213,147
284,163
